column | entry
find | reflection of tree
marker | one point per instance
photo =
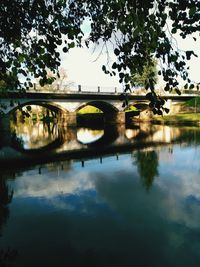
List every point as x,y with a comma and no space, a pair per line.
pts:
189,136
17,139
7,256
147,163
6,195
34,134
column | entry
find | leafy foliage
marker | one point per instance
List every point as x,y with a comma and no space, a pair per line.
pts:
32,30
149,72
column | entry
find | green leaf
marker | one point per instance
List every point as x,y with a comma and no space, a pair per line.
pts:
104,68
166,110
65,49
116,52
72,45
28,108
121,75
192,11
174,30
114,65
178,91
167,87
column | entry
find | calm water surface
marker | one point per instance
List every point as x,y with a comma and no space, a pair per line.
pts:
136,208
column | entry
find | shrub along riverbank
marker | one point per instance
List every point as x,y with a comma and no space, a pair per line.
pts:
186,119
190,115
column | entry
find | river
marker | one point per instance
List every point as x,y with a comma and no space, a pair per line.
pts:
117,196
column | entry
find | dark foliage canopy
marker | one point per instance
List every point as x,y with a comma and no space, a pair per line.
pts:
139,30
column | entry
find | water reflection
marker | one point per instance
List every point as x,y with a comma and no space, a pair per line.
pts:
38,141
6,195
147,165
87,136
101,215
7,255
153,133
35,134
33,127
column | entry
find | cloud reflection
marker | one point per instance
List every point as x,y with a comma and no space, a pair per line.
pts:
105,208
175,193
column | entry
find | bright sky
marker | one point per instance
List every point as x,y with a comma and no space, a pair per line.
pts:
83,67
194,63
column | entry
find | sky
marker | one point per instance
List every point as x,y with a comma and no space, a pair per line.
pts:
83,67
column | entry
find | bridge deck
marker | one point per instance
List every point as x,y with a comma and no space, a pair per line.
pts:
83,96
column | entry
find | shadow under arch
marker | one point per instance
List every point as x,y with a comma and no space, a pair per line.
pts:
141,106
102,105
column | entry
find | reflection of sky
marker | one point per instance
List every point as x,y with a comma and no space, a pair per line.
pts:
85,135
103,208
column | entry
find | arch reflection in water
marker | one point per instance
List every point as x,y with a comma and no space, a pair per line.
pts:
87,136
98,137
34,129
147,132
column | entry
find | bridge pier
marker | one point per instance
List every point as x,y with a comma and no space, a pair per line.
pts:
70,118
67,118
115,117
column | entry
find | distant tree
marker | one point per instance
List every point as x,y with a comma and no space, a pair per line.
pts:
57,83
8,83
149,72
32,30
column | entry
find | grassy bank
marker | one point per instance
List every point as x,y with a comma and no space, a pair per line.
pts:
195,102
187,119
89,110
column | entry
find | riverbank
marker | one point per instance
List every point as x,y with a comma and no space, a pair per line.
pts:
178,119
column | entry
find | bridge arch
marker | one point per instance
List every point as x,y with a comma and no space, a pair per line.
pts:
111,114
47,104
102,105
140,105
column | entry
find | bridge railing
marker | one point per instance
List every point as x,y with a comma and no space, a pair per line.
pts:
73,88
65,88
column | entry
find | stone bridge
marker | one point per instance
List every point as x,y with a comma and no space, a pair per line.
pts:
68,104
